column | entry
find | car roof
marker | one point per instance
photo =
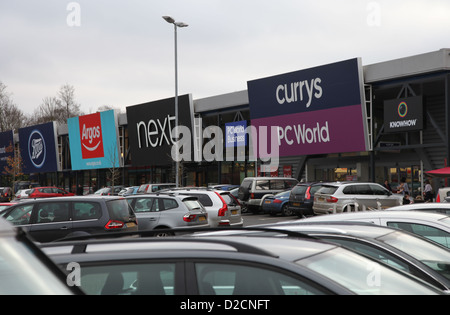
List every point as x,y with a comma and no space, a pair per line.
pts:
75,198
423,205
286,249
358,229
430,216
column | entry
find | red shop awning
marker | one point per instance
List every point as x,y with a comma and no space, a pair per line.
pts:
442,172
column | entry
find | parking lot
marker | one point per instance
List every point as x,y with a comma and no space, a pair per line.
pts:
256,219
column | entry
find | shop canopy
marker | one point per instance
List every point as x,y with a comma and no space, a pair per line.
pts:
442,172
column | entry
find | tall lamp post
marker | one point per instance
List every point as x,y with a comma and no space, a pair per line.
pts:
171,20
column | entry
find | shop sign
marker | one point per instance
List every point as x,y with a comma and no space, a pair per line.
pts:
38,148
314,111
94,141
6,148
235,134
150,129
402,115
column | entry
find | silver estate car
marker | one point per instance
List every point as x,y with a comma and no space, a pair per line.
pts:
222,207
155,212
353,196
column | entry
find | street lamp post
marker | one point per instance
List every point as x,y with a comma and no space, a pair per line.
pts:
171,20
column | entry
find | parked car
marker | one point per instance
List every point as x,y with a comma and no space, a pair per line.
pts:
48,192
128,191
400,249
235,265
350,196
109,191
156,212
6,194
25,269
227,187
433,226
22,194
50,219
151,188
301,198
223,209
440,207
278,203
253,190
443,194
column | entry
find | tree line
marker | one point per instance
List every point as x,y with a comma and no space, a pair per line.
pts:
52,108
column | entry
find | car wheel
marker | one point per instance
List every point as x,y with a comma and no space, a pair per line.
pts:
286,211
162,233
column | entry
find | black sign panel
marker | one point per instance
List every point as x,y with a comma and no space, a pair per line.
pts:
150,128
403,114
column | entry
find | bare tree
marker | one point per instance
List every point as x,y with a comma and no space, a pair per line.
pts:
11,117
66,95
57,108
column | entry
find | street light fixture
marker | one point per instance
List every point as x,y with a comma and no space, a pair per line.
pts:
171,20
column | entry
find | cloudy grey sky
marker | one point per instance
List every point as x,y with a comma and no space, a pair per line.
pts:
121,52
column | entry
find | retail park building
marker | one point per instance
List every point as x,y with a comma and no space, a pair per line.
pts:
341,121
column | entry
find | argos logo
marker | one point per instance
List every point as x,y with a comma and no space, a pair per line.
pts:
91,136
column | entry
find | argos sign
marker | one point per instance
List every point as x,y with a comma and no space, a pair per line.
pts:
94,141
319,110
91,136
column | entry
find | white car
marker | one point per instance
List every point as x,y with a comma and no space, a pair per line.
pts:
434,226
441,207
22,194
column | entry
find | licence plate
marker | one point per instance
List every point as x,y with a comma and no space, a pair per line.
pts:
131,224
234,212
267,201
202,219
296,204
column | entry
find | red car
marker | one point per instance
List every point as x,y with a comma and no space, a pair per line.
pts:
48,192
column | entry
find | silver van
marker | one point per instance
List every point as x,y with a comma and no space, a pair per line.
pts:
253,190
353,196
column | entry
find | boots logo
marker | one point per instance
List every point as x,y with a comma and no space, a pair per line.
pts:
91,136
36,149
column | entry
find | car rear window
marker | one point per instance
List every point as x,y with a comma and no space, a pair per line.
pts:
203,198
192,204
299,190
229,199
327,190
119,210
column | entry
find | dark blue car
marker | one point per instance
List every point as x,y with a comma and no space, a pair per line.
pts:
278,203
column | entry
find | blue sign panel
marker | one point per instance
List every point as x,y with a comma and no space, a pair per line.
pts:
6,148
93,141
235,135
38,147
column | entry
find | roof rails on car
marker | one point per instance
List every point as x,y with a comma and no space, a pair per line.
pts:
80,243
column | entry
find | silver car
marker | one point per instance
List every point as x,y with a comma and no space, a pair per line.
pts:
222,207
353,196
155,212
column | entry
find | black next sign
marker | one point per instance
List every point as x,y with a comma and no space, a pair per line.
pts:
150,128
403,114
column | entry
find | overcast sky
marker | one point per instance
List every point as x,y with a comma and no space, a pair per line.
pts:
121,53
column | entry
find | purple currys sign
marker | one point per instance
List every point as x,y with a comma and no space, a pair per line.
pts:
314,111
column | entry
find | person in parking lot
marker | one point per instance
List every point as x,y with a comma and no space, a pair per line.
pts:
428,192
407,199
387,185
403,187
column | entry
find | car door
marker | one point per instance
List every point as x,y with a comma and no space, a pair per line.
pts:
147,212
361,194
384,197
51,221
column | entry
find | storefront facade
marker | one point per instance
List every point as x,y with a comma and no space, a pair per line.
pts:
342,121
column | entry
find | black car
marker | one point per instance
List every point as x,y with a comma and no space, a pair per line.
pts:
301,199
50,219
6,194
231,265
